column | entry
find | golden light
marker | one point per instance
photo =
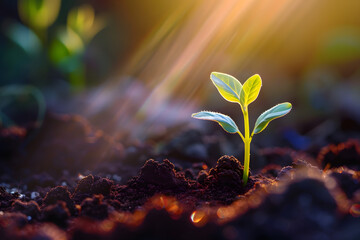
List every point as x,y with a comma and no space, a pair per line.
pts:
226,212
170,204
80,176
174,58
355,210
198,217
174,210
107,225
181,52
159,202
134,219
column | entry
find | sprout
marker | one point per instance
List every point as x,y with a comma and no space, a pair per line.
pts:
231,90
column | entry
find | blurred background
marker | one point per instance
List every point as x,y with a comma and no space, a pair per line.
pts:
134,69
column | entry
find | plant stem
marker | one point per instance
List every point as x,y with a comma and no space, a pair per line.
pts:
247,142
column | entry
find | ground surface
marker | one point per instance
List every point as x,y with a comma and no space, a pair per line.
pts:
108,189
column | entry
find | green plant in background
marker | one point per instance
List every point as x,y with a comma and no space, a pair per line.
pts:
64,46
39,14
67,49
83,21
231,90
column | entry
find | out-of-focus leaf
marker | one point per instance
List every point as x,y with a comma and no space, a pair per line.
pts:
82,20
77,77
228,86
39,14
225,121
23,37
71,40
66,53
67,45
250,90
271,114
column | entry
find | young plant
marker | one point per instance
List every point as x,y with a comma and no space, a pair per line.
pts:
231,90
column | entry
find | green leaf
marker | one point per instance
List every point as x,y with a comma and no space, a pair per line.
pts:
225,121
250,90
39,14
271,114
228,86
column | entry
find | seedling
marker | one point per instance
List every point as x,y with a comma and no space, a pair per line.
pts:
231,90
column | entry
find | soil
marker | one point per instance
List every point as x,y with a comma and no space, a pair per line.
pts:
75,182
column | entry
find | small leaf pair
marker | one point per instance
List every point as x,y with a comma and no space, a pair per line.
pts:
233,91
261,123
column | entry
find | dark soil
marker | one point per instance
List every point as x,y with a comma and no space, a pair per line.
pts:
74,182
